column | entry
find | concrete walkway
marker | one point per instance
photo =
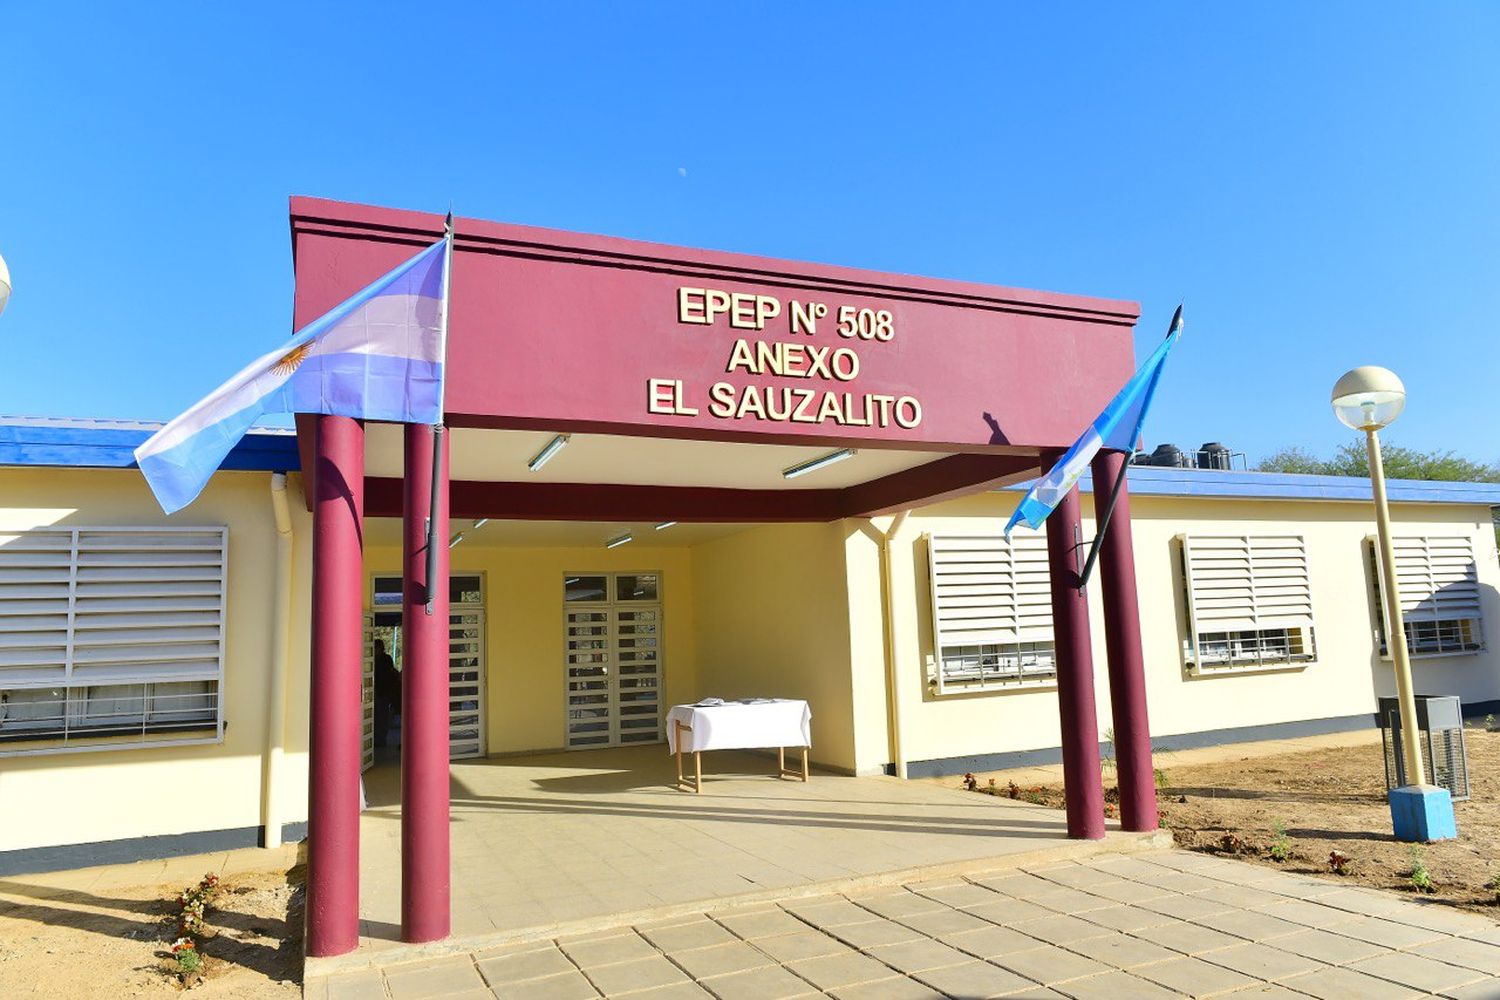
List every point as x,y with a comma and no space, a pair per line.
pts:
1159,924
554,839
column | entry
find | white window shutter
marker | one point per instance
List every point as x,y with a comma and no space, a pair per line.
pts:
110,628
991,609
1438,578
1240,584
36,574
986,589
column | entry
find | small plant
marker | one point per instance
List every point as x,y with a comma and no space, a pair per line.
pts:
1493,885
1281,844
1489,723
1035,796
1338,862
1230,844
1420,878
993,790
971,782
1013,790
1160,776
186,954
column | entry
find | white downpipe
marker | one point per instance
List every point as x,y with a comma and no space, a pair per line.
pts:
888,613
281,637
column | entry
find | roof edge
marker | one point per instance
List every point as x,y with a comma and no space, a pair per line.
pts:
322,215
1146,480
72,442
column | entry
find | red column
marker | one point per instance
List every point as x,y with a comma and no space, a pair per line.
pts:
336,710
1075,674
1122,635
425,873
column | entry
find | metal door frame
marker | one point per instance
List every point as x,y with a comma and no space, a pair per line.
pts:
475,608
611,606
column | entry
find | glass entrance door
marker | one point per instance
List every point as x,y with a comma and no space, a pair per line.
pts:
465,683
466,680
612,659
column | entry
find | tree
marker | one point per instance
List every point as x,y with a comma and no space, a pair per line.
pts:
1295,460
1351,459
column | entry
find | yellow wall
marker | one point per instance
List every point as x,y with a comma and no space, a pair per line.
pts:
524,686
84,797
773,621
779,610
1345,679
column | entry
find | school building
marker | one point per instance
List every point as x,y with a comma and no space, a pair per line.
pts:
673,474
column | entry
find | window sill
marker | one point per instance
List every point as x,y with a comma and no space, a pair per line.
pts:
960,689
23,744
1235,669
1445,654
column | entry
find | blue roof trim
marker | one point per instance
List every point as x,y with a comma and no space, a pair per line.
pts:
106,445
111,444
1147,480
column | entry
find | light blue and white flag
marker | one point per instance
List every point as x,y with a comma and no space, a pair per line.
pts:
377,356
1118,428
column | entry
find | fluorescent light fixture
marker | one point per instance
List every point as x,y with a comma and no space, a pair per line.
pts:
814,464
481,522
618,540
545,455
456,539
665,525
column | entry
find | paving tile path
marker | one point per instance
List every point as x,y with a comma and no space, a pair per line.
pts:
1163,924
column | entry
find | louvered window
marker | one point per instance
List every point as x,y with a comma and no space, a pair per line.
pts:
1249,602
110,637
991,611
1439,583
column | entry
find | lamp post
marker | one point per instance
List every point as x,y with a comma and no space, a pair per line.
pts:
1368,399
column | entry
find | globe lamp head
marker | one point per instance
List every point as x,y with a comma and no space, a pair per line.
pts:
1368,398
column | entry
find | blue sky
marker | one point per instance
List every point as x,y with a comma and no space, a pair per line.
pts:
1319,182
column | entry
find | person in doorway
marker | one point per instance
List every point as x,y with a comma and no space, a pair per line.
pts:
387,693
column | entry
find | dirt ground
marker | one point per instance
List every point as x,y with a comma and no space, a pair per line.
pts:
112,942
1327,800
109,943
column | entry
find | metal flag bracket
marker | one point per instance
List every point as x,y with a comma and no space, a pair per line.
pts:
1109,510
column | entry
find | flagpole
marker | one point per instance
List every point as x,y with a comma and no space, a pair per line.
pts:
1103,525
437,428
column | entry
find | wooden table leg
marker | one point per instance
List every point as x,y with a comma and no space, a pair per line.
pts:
782,771
697,766
698,772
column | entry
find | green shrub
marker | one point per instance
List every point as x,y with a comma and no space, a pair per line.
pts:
1420,878
1281,844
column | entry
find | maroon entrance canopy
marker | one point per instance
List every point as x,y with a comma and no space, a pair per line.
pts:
559,332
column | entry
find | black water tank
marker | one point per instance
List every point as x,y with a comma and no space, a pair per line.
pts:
1213,455
1168,455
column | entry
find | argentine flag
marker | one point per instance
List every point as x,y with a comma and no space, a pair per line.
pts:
1118,428
377,356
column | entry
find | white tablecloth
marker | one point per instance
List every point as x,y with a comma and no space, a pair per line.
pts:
738,725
